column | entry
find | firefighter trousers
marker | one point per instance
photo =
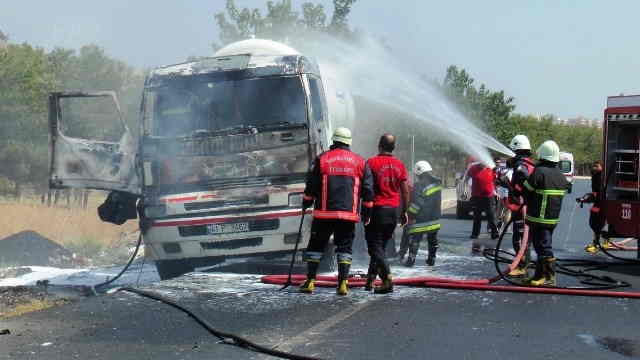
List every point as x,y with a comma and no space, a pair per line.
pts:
415,239
321,230
542,238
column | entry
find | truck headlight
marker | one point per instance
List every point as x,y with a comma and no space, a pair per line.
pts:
155,211
295,199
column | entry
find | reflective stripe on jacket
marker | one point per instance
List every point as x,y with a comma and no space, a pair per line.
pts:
337,181
426,205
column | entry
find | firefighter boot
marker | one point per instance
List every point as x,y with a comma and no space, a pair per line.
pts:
386,287
411,260
371,276
387,281
547,276
309,284
433,249
593,247
521,270
343,275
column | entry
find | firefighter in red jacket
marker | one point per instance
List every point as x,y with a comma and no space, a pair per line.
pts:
337,181
391,190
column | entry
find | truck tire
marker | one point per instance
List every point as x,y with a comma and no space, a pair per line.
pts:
168,269
570,188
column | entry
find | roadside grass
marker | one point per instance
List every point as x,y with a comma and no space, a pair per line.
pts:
79,230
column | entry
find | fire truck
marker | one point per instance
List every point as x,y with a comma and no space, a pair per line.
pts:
621,185
220,158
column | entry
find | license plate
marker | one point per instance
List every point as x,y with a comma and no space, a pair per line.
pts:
227,228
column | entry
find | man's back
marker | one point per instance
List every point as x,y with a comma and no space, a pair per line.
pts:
388,175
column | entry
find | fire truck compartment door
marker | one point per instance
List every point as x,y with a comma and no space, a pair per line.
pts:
91,146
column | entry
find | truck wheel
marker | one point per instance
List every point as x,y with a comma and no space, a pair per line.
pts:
168,269
570,188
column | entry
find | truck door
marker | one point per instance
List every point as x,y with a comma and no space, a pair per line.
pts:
91,146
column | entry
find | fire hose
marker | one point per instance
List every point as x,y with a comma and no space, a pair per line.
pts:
601,285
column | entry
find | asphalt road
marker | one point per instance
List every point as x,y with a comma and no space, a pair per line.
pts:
412,323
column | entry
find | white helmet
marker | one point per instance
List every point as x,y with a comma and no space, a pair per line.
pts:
342,135
549,151
422,167
520,142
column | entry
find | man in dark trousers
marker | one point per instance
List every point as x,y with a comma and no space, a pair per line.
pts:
424,213
544,191
337,181
390,189
482,199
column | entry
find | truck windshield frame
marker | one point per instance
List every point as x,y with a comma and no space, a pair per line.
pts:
225,130
188,105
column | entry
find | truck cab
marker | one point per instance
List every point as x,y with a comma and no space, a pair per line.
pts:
220,158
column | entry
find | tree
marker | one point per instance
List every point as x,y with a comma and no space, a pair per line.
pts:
488,109
281,22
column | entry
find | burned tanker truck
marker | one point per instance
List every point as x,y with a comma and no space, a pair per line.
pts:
217,166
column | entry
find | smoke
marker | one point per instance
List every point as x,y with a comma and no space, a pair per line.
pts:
369,70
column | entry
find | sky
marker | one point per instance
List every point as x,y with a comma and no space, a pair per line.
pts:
561,57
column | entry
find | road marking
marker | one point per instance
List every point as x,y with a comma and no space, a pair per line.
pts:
307,336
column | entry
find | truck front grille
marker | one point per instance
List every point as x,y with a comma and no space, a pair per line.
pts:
232,244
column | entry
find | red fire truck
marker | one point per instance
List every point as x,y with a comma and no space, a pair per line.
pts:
621,188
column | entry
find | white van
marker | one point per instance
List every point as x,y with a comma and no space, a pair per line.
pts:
566,167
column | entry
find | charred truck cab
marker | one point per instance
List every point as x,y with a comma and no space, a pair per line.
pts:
220,160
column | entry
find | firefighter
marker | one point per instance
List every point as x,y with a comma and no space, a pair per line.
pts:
522,166
596,221
391,190
543,192
424,213
336,182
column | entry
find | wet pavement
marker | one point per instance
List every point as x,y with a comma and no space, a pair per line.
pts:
410,323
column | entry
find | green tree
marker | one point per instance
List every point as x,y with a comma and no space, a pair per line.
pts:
282,22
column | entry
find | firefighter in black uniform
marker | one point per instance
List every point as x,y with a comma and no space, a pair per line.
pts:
424,213
522,166
596,220
544,191
337,181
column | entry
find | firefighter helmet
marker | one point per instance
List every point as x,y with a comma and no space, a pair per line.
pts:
422,167
549,151
342,135
520,142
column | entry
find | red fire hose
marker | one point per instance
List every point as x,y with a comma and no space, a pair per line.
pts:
462,284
